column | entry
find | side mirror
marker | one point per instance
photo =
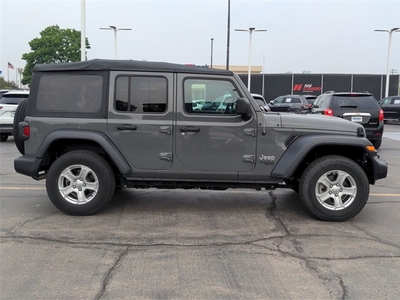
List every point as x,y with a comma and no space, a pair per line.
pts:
271,102
243,107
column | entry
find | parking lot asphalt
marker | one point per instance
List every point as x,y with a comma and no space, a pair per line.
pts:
192,244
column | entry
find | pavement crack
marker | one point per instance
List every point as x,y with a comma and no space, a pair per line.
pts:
109,275
16,228
344,288
271,212
373,236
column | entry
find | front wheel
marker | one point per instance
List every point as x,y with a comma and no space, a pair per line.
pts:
334,188
80,183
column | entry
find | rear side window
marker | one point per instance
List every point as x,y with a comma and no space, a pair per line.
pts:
367,102
136,94
70,93
292,100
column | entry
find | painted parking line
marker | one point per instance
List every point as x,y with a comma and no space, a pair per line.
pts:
15,188
392,135
21,188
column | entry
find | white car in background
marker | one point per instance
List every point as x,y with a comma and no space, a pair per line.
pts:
261,102
8,104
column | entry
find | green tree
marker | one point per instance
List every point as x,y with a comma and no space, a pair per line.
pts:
9,85
54,45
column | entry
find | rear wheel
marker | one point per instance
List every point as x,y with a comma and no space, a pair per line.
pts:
334,188
80,183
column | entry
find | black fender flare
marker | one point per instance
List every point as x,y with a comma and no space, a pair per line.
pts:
302,145
98,137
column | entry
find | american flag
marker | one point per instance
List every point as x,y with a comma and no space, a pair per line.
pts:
10,66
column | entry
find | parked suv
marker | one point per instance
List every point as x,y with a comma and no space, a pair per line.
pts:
361,108
290,103
91,127
8,104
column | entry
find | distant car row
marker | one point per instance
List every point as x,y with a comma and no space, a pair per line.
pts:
391,107
361,107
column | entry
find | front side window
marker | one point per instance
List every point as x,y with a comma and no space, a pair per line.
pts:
137,94
210,97
70,93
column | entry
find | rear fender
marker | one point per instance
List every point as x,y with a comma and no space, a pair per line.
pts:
100,138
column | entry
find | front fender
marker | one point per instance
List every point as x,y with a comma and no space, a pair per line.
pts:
301,146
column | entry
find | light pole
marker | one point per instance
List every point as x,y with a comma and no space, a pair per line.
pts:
115,36
390,31
250,31
83,31
212,46
20,73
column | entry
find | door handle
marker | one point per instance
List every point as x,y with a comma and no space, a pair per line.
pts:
189,129
126,127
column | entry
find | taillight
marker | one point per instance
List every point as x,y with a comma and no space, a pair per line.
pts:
328,112
381,115
27,131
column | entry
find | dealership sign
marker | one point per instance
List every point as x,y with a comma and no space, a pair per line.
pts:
305,88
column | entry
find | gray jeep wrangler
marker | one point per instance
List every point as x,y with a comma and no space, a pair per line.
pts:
95,126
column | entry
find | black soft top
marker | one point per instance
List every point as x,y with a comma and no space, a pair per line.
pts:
127,65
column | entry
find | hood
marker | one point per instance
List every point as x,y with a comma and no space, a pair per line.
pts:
319,123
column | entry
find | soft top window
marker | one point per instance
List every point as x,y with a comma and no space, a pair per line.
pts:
70,93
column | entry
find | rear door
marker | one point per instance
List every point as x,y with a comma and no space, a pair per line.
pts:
140,118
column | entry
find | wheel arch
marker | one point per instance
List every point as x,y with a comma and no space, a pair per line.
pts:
305,149
59,142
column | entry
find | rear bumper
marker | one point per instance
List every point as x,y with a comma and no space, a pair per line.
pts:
374,134
29,166
6,128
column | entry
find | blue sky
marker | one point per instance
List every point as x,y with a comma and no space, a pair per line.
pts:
318,36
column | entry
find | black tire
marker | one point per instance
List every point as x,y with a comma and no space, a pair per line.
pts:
377,143
334,177
3,137
20,115
76,195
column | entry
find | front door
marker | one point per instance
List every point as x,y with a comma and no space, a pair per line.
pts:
210,136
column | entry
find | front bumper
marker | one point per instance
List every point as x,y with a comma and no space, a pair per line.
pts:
379,168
